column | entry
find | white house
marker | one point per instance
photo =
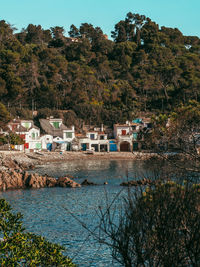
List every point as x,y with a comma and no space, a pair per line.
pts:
95,139
28,132
59,143
33,138
124,137
46,141
56,128
68,137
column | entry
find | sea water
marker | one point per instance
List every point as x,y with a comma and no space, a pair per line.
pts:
70,216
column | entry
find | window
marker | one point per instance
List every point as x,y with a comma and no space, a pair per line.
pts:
92,136
123,132
56,124
26,125
101,137
68,135
33,135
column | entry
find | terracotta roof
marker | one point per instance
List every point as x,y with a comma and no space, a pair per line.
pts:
79,135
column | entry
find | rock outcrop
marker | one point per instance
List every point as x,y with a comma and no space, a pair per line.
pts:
86,182
67,182
14,176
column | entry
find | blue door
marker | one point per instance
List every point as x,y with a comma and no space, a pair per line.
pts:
49,146
113,146
84,147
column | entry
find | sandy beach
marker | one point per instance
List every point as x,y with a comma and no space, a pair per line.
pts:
46,157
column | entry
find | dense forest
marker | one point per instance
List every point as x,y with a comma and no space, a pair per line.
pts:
144,68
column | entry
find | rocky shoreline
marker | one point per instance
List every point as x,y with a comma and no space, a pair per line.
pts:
14,175
14,166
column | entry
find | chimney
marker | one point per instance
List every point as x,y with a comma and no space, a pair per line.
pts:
102,127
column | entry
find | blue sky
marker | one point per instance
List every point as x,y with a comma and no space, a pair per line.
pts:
181,14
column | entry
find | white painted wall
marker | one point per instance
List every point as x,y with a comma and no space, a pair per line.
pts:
46,139
69,139
118,130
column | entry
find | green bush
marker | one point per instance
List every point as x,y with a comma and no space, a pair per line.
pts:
19,248
156,227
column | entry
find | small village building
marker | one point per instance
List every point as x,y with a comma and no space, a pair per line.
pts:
83,142
33,138
98,140
28,132
55,128
68,137
129,136
94,139
46,142
123,136
58,144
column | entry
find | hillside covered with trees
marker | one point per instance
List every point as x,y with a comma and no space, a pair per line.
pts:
144,68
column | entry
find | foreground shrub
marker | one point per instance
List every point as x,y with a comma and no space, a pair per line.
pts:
19,248
157,227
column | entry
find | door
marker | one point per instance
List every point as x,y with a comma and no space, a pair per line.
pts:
125,146
84,147
49,146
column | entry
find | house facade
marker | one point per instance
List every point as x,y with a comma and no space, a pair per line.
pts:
129,136
46,142
94,139
28,132
123,136
62,136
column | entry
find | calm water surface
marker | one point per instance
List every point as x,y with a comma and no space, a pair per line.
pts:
48,211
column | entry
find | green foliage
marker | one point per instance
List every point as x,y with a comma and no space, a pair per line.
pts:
22,113
19,248
3,140
178,130
144,68
11,138
157,227
4,115
15,139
